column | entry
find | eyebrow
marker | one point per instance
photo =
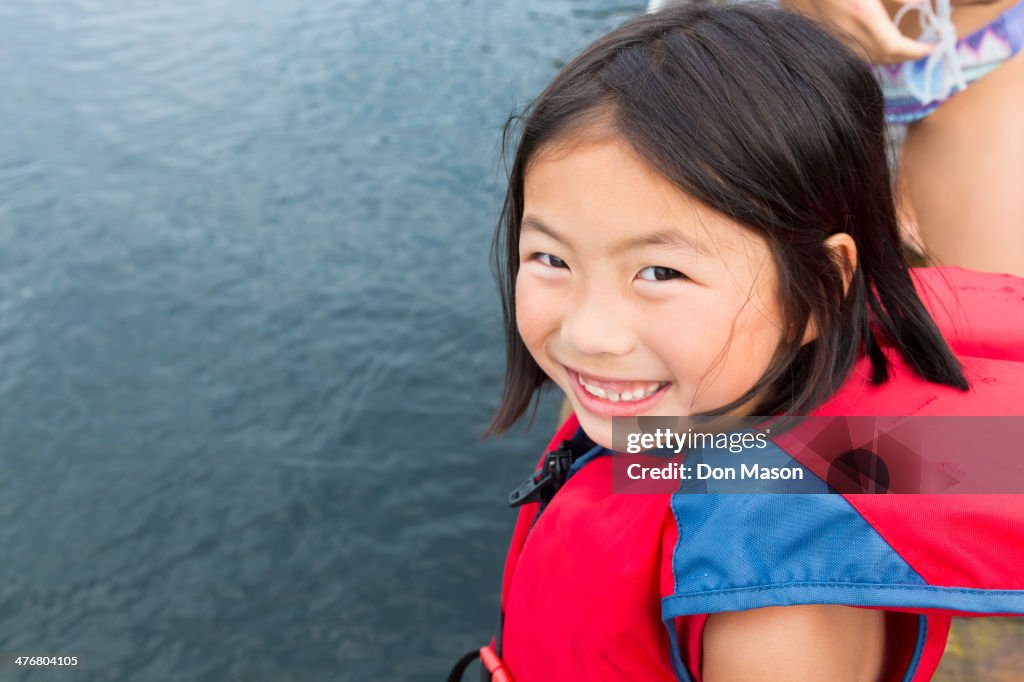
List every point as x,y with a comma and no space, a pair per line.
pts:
671,239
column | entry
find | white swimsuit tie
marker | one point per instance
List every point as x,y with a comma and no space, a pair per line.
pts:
936,27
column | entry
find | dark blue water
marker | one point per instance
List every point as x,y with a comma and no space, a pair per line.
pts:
248,332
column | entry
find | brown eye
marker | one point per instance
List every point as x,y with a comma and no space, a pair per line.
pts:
550,261
657,273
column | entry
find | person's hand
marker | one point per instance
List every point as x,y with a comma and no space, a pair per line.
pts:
865,27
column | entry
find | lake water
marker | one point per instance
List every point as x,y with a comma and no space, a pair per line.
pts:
248,332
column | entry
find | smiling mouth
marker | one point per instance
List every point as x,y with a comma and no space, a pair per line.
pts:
619,391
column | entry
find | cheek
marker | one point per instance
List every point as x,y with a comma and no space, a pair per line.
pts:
536,315
691,335
761,327
717,339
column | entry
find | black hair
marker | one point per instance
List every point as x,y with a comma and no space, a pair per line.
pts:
761,115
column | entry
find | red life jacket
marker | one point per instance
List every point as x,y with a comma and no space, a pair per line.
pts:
604,586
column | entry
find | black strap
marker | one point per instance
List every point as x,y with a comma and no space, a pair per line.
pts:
460,667
497,634
463,663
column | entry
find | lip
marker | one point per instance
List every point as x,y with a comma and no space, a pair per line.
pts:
607,408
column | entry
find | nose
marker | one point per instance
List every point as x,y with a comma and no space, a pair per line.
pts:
597,324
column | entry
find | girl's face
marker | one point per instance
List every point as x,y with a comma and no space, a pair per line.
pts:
633,297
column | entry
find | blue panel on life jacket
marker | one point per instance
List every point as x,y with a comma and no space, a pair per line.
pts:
740,552
744,551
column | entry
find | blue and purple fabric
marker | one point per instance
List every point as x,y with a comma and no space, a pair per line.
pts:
915,89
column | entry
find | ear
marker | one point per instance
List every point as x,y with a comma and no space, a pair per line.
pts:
843,251
844,255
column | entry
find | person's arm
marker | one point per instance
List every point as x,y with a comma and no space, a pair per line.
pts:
783,643
864,26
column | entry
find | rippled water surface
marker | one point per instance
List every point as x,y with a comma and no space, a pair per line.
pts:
248,333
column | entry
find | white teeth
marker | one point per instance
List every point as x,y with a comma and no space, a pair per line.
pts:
625,396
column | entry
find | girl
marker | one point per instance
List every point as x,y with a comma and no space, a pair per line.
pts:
699,221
